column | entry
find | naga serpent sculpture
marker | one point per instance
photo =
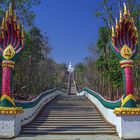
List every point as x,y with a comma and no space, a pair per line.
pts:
11,44
124,44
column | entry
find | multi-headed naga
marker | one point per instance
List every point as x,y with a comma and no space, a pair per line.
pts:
124,44
11,44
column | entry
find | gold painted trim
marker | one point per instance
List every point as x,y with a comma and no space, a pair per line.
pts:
127,98
126,52
8,63
9,52
127,111
123,61
8,98
126,65
11,110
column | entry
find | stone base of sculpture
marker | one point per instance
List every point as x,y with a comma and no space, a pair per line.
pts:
128,126
10,125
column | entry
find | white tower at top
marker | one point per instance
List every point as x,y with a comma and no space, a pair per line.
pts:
70,68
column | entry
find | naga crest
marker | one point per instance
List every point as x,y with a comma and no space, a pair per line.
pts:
125,36
12,36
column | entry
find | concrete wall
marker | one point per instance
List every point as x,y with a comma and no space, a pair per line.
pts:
10,125
106,112
127,126
30,113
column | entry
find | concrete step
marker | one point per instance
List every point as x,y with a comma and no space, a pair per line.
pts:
71,121
68,124
79,117
69,111
47,114
69,114
62,132
79,102
50,113
70,128
69,107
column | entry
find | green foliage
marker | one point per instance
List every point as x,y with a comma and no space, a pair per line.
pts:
80,68
23,9
80,74
34,71
107,62
103,39
104,73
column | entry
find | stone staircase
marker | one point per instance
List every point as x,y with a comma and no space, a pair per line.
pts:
73,89
69,114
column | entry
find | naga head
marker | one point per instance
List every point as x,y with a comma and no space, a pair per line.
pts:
11,36
125,36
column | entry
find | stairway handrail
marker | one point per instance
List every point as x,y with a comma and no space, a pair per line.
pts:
106,103
32,103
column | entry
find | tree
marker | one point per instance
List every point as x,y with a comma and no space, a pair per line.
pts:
80,75
108,68
22,8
